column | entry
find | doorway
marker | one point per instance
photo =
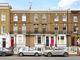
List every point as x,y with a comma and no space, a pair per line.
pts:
73,41
47,41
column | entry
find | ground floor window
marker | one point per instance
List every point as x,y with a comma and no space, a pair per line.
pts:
61,39
39,49
39,39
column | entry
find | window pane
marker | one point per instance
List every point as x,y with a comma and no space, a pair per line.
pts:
44,30
39,39
3,17
56,28
35,19
56,18
24,29
64,28
62,37
43,19
36,30
36,26
64,18
75,28
23,18
3,28
15,29
75,19
15,18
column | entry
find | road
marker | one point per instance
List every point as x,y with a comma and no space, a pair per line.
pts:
39,58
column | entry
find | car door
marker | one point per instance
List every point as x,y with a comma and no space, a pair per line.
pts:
30,52
58,51
25,51
55,51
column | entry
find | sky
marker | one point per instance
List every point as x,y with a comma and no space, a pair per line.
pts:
43,4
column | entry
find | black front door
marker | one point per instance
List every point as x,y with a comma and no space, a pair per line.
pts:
47,41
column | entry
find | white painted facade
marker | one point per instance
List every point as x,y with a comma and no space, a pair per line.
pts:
57,40
43,41
20,40
61,40
7,40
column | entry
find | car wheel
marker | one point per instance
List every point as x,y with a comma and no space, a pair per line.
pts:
3,54
66,54
36,54
49,54
20,54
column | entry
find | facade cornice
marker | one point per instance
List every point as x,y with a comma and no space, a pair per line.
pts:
40,11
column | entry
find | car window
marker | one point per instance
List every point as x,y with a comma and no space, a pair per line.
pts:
4,49
59,48
30,49
24,49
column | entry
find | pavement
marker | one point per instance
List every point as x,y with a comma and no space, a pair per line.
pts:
39,58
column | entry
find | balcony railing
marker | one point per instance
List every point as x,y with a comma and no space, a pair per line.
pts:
54,32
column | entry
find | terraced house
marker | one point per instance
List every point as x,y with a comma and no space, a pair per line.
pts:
39,28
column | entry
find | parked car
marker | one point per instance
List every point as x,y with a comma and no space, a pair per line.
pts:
28,51
6,51
57,51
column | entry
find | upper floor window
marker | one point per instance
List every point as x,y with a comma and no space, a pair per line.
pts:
15,28
56,18
64,27
64,18
75,19
36,28
3,29
75,28
36,19
15,18
56,27
3,17
23,18
44,28
43,19
24,28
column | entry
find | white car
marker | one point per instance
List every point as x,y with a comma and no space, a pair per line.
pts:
57,51
27,51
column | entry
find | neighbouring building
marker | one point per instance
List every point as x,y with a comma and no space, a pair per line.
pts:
40,28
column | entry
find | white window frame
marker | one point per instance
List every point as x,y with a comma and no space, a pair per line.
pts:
65,26
24,28
44,19
37,39
15,28
75,18
2,29
56,18
61,42
15,18
56,25
35,19
24,18
64,18
3,17
76,29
